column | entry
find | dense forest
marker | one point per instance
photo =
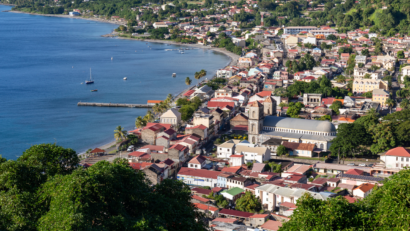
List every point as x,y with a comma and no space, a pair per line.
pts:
47,189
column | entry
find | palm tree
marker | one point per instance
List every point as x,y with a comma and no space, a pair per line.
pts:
341,79
169,98
188,81
197,76
149,117
202,73
390,103
120,133
404,103
156,108
140,122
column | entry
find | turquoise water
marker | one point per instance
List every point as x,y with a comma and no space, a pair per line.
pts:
44,60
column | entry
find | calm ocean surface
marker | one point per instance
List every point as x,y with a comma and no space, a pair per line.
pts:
44,60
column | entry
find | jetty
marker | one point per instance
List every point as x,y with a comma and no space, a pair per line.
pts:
114,105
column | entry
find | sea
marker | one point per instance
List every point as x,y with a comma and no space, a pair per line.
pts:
44,62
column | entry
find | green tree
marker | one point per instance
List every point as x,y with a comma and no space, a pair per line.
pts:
390,103
120,133
365,52
248,203
294,109
281,150
336,105
188,81
369,120
400,54
140,122
277,168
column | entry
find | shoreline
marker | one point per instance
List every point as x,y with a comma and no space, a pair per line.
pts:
68,16
233,58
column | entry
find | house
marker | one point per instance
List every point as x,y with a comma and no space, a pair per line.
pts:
199,130
301,169
271,225
238,182
258,219
396,158
363,190
299,149
405,71
230,213
232,194
226,149
198,162
252,153
380,96
295,178
236,160
199,177
207,209
155,173
98,152
149,133
139,157
172,116
239,121
325,168
359,179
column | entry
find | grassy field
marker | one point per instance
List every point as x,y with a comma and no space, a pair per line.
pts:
372,17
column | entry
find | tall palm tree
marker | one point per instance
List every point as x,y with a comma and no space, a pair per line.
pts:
202,73
120,133
140,122
188,81
197,76
169,98
149,117
390,103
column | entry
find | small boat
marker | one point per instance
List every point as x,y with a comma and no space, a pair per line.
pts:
182,52
174,74
112,58
89,81
94,90
125,78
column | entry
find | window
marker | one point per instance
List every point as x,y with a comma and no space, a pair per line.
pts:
407,159
397,158
267,199
397,165
402,159
228,150
192,165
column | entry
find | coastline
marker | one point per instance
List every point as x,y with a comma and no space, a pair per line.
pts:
107,146
68,16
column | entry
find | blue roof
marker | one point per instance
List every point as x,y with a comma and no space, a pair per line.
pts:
317,49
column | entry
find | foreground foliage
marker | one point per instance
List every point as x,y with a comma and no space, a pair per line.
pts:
45,189
386,208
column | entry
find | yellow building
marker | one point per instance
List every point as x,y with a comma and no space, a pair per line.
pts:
365,85
380,96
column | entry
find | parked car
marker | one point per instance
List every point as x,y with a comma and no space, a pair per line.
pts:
130,148
351,164
362,165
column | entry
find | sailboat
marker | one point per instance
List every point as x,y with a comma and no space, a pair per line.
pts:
89,81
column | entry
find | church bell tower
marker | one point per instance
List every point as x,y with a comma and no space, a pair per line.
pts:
255,122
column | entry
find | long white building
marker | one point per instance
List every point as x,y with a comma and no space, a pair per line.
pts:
298,29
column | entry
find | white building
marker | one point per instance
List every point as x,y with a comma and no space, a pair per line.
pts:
363,190
298,29
396,158
226,149
224,73
198,177
405,71
236,160
172,116
197,162
311,40
252,153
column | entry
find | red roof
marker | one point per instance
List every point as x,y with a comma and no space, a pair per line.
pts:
201,190
166,126
178,147
205,207
139,166
236,156
203,127
399,151
189,93
288,204
272,225
260,216
97,150
240,128
136,154
198,173
231,169
354,171
199,198
217,189
264,93
350,199
252,186
214,104
235,213
153,148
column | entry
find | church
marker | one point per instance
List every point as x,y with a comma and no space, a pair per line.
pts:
263,126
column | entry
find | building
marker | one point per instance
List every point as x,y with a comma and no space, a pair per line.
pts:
232,194
299,149
198,162
258,219
320,133
363,190
226,149
198,177
396,158
380,96
172,116
251,153
74,14
405,71
325,168
312,99
272,225
238,182
365,85
298,29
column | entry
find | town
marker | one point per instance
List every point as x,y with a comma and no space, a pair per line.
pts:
313,111
262,133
